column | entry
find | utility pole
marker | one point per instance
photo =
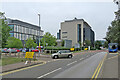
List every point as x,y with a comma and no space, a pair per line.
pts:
39,34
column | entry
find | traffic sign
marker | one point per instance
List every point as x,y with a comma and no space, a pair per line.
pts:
29,54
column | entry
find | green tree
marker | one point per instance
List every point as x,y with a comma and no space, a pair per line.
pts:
14,43
98,44
5,29
63,42
105,45
113,34
49,39
30,43
87,43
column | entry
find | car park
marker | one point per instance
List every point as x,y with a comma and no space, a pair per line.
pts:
62,53
12,51
4,50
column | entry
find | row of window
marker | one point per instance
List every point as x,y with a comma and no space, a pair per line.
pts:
21,29
21,36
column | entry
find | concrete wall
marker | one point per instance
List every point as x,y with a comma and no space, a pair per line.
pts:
71,29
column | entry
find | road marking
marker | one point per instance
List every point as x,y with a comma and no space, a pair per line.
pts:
97,71
49,73
112,57
100,68
81,59
113,53
22,69
71,63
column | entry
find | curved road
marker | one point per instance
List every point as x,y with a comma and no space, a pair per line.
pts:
80,66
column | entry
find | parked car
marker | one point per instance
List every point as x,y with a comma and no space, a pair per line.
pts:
12,50
4,50
35,50
18,50
63,53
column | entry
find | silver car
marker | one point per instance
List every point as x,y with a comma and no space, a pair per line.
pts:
61,54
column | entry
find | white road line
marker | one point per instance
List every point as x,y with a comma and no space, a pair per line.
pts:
49,73
81,59
71,63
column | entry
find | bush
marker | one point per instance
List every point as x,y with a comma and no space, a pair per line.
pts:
56,48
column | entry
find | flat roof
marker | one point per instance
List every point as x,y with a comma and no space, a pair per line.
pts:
75,19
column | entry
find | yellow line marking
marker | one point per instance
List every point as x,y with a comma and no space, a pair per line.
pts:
100,68
96,70
21,69
95,75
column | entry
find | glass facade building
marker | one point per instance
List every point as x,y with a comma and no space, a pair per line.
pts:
23,30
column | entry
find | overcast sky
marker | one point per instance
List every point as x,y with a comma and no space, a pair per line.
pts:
98,14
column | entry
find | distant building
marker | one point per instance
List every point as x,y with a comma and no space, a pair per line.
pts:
76,30
23,30
59,42
68,44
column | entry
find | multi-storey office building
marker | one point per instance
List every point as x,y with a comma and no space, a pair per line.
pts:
76,30
23,30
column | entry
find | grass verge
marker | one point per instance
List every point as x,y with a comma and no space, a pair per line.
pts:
11,60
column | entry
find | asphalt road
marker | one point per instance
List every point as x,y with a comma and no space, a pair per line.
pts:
80,66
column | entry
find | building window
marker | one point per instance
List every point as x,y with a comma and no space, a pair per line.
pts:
27,30
23,29
64,32
24,37
19,28
11,34
15,35
12,27
78,32
15,28
64,37
20,36
37,32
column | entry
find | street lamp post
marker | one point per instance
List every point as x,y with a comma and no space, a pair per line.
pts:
39,32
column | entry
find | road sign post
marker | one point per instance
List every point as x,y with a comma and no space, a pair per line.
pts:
29,55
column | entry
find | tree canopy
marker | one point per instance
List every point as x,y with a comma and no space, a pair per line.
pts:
98,44
30,43
14,43
87,43
113,34
49,39
4,30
